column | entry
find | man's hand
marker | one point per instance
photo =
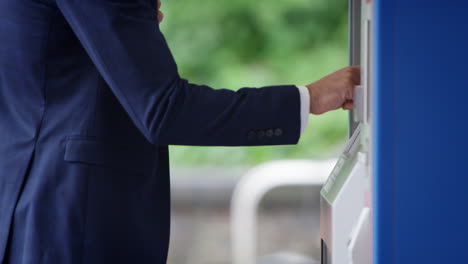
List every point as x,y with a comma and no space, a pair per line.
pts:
334,91
160,14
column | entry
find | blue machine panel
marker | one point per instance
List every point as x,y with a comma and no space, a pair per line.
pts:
420,136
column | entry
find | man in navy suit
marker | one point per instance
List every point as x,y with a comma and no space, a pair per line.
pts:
90,98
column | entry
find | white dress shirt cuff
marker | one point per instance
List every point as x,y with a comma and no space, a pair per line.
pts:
305,105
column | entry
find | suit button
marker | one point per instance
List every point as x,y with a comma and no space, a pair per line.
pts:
269,133
251,135
278,132
260,134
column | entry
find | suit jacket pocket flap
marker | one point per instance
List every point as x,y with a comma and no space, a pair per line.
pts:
95,152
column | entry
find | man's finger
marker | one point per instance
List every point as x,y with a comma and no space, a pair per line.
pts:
160,16
348,105
356,72
159,4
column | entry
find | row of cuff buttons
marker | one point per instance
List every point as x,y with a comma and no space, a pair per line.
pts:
269,133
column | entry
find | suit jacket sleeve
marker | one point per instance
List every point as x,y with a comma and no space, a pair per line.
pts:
123,39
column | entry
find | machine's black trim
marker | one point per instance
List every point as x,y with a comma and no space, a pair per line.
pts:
324,253
354,38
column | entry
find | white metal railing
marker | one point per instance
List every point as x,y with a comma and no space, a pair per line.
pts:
254,185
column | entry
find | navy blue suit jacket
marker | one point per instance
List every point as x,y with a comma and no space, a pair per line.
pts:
90,98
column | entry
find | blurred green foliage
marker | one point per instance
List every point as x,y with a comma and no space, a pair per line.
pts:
253,43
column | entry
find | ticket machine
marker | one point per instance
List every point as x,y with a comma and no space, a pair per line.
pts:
346,197
398,194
